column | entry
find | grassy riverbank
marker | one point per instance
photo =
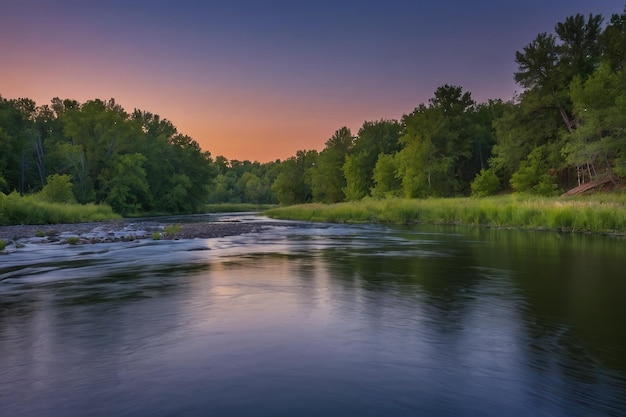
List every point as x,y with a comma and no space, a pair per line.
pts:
15,209
601,213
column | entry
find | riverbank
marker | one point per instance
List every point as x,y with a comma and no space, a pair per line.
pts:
125,230
595,214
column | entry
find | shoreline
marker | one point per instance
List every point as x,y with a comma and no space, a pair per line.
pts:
125,230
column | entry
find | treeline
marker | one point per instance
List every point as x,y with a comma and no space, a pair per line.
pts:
567,127
96,152
135,162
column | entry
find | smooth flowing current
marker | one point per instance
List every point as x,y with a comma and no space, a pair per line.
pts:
310,319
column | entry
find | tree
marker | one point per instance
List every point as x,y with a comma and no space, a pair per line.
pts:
599,142
522,128
189,160
293,183
72,160
15,161
437,145
328,181
543,117
58,189
548,64
96,142
253,188
124,182
533,175
579,49
373,139
386,181
613,42
101,130
485,183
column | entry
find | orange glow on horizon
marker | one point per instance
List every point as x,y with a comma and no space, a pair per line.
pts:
235,126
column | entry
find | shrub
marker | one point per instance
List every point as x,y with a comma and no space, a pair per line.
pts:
532,176
58,189
172,229
546,186
3,244
485,183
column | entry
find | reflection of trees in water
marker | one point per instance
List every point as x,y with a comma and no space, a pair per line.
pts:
566,377
433,312
573,280
572,313
561,293
436,285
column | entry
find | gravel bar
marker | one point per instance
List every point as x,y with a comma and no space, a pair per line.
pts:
127,230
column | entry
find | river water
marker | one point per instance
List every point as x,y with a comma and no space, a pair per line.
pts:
316,319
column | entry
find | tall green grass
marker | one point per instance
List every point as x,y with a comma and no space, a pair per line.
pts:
16,209
584,214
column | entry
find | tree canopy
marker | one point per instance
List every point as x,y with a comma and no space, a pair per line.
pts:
566,127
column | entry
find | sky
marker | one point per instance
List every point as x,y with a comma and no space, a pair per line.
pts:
262,79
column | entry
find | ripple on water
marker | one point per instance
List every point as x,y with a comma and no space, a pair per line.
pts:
311,320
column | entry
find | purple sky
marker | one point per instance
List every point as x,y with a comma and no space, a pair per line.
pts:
260,80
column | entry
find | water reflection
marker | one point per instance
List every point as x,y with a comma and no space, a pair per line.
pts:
318,319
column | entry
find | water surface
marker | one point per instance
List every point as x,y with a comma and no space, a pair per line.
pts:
316,319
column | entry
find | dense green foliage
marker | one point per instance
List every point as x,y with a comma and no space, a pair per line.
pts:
243,182
567,128
574,214
135,162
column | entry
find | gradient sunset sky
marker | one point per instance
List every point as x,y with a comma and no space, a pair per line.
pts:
259,80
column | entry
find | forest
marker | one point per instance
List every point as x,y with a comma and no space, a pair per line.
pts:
566,128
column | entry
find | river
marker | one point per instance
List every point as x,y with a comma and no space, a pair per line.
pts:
308,319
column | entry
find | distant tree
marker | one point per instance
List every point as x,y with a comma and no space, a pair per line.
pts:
533,175
253,188
293,183
438,145
15,162
519,130
196,165
373,139
386,180
58,189
328,181
101,131
71,159
3,184
136,162
124,182
421,162
486,183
